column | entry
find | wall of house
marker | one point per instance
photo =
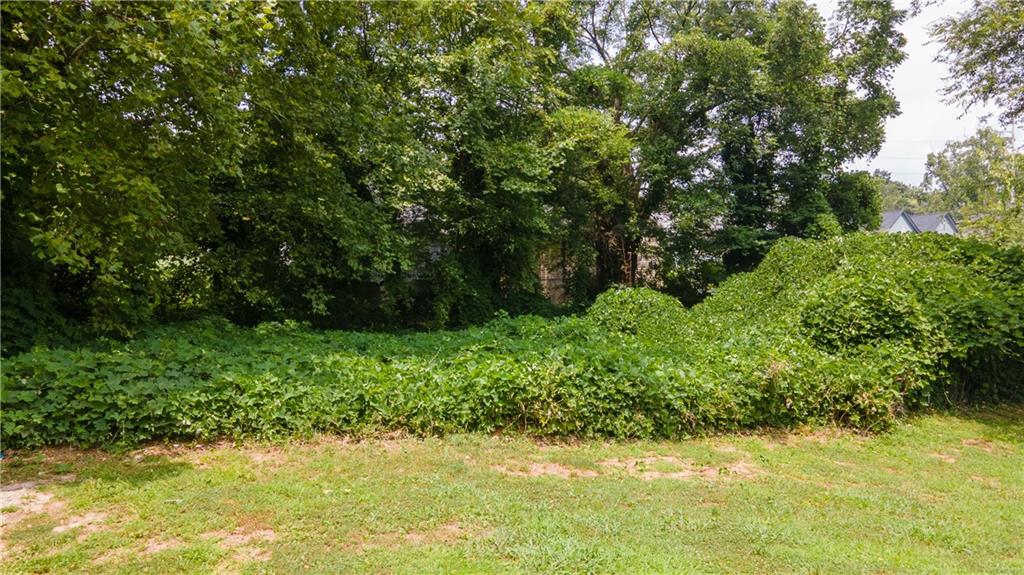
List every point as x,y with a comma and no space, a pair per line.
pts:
944,227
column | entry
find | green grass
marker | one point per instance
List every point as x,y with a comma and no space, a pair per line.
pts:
940,493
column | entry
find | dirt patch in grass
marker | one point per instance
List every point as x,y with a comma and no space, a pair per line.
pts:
646,468
158,544
263,457
943,457
669,467
982,444
536,469
22,500
229,539
243,543
446,533
987,481
86,524
451,531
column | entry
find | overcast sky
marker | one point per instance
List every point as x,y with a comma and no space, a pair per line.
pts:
925,122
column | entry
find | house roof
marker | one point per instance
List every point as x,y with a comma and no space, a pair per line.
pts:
890,217
928,222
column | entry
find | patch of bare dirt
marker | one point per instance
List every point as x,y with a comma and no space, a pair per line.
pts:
442,534
987,481
263,456
982,444
536,469
27,500
943,457
451,531
86,524
669,467
158,544
243,544
228,539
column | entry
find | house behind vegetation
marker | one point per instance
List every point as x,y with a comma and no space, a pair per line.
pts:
901,221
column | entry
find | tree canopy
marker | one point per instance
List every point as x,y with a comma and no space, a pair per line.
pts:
982,47
385,164
981,181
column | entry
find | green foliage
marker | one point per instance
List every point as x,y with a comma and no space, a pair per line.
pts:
744,114
895,195
847,312
116,118
855,201
409,164
981,181
857,330
982,47
825,226
641,312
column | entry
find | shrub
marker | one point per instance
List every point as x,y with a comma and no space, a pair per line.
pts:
846,312
642,312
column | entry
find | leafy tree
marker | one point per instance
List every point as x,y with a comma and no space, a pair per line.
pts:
116,116
309,225
984,49
981,181
380,164
896,195
491,84
855,200
744,114
593,216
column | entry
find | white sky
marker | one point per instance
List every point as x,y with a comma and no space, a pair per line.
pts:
925,122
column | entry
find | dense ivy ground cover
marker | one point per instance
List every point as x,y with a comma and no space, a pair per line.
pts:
857,330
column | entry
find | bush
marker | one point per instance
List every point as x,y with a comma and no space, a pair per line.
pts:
847,312
856,330
642,312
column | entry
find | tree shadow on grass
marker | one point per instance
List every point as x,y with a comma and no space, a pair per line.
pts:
71,465
1003,422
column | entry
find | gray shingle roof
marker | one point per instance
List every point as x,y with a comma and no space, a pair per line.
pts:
927,222
889,218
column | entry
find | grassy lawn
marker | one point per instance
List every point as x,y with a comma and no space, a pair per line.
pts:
941,493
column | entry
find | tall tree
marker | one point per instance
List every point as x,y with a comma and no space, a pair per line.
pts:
984,49
376,162
981,181
115,117
744,114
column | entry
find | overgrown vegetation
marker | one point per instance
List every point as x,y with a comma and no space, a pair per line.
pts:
855,330
407,164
